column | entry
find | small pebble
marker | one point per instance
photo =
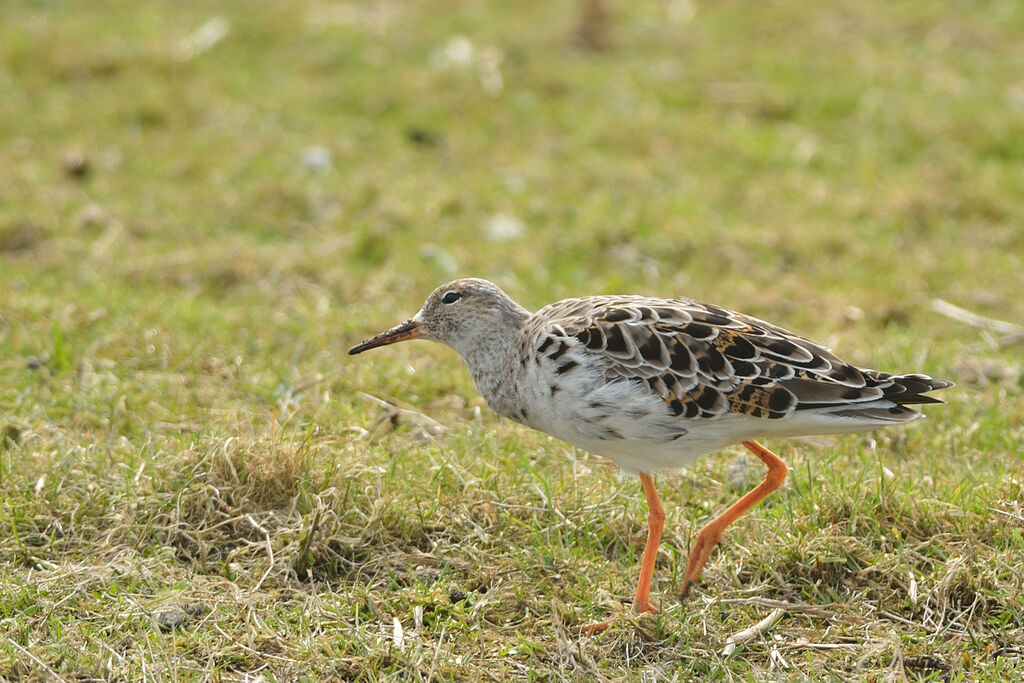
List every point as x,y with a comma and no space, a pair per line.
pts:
317,159
76,165
502,227
91,217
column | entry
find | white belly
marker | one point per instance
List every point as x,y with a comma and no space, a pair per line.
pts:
622,421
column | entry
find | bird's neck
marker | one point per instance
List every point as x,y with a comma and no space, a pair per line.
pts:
490,357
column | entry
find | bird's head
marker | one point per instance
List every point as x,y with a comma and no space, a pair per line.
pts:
462,314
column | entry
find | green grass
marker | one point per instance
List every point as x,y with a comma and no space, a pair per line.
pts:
194,485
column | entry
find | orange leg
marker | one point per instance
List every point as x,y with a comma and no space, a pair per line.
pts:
712,533
655,525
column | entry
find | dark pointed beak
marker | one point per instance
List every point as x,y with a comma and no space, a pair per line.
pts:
407,330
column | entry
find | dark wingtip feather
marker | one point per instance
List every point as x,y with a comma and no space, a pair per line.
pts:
909,389
913,399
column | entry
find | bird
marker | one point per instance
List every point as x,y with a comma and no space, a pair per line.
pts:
654,383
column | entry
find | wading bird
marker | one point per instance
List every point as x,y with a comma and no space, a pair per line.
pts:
653,384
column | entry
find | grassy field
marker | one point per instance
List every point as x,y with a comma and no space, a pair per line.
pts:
203,205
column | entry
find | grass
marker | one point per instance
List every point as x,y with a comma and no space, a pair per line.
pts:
194,483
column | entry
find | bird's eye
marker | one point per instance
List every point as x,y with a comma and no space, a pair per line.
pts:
450,297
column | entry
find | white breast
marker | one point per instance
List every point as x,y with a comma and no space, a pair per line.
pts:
620,420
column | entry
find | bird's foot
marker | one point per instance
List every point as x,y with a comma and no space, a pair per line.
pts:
594,628
599,626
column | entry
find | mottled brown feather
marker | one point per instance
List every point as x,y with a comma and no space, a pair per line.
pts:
704,361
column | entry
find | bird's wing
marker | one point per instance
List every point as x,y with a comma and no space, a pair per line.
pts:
704,361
